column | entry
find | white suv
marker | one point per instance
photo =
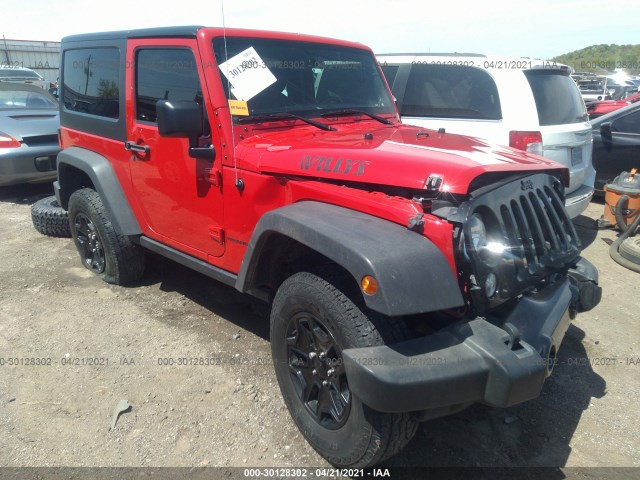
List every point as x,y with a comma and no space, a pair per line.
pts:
527,104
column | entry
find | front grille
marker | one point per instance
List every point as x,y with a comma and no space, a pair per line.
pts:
35,140
538,228
529,236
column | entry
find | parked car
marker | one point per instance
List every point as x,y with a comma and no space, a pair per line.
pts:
526,104
22,75
593,88
597,109
616,143
29,123
620,91
601,88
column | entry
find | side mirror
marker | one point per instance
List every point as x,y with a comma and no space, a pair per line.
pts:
179,118
183,118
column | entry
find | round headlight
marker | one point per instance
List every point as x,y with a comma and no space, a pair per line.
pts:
477,231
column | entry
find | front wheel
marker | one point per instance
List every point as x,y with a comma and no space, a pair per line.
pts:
312,322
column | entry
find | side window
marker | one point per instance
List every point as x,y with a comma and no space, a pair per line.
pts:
628,124
451,91
164,74
90,81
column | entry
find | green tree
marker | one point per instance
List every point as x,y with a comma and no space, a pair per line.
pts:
604,59
107,89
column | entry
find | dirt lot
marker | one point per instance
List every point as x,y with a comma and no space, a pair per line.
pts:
231,413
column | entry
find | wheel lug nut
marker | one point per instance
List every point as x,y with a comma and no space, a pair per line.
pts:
313,355
325,383
330,371
314,372
322,355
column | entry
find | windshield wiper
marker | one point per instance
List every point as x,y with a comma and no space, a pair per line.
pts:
347,112
284,116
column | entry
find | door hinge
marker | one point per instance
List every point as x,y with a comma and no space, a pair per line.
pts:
216,234
213,176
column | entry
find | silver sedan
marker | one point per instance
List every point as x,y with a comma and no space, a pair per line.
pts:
29,123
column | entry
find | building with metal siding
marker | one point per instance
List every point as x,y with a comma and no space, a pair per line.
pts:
41,56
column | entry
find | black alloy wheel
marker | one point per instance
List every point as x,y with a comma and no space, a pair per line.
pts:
89,244
317,371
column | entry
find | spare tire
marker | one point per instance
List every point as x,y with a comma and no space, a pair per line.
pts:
49,218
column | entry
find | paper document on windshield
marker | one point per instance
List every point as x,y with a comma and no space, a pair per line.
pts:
248,74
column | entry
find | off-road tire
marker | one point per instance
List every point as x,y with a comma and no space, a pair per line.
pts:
49,218
364,437
111,256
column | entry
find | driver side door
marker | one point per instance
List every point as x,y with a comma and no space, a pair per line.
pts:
177,194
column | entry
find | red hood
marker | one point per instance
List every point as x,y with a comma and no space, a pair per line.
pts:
384,155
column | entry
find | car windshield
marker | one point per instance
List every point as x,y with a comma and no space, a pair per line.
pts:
11,99
267,76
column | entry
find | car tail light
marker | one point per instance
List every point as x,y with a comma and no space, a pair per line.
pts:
8,142
530,142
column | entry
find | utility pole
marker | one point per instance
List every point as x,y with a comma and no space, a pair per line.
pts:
6,50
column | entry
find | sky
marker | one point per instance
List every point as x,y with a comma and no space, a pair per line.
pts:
540,29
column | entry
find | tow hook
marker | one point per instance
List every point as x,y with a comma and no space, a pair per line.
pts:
585,291
514,335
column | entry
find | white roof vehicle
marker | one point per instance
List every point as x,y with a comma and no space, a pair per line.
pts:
532,105
22,75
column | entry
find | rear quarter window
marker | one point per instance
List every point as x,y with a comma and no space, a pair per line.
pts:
91,81
557,97
451,91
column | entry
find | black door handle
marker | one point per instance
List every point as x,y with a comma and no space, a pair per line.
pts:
134,147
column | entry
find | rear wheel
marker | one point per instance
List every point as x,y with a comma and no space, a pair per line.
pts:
111,256
312,321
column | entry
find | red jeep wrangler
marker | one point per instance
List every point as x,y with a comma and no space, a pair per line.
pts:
411,272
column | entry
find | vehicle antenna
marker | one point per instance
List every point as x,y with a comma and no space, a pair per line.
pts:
238,181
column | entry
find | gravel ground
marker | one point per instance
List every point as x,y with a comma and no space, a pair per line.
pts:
103,343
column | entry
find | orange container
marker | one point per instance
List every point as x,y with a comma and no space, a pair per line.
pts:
627,183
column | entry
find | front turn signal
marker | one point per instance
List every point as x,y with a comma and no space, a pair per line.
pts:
369,285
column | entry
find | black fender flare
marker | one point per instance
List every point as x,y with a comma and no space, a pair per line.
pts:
412,273
100,172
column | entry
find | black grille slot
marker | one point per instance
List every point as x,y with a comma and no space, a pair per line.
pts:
523,234
35,140
538,228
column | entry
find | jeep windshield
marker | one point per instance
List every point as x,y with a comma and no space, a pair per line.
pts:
264,77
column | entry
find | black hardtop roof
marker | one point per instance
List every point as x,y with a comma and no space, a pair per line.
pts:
187,31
